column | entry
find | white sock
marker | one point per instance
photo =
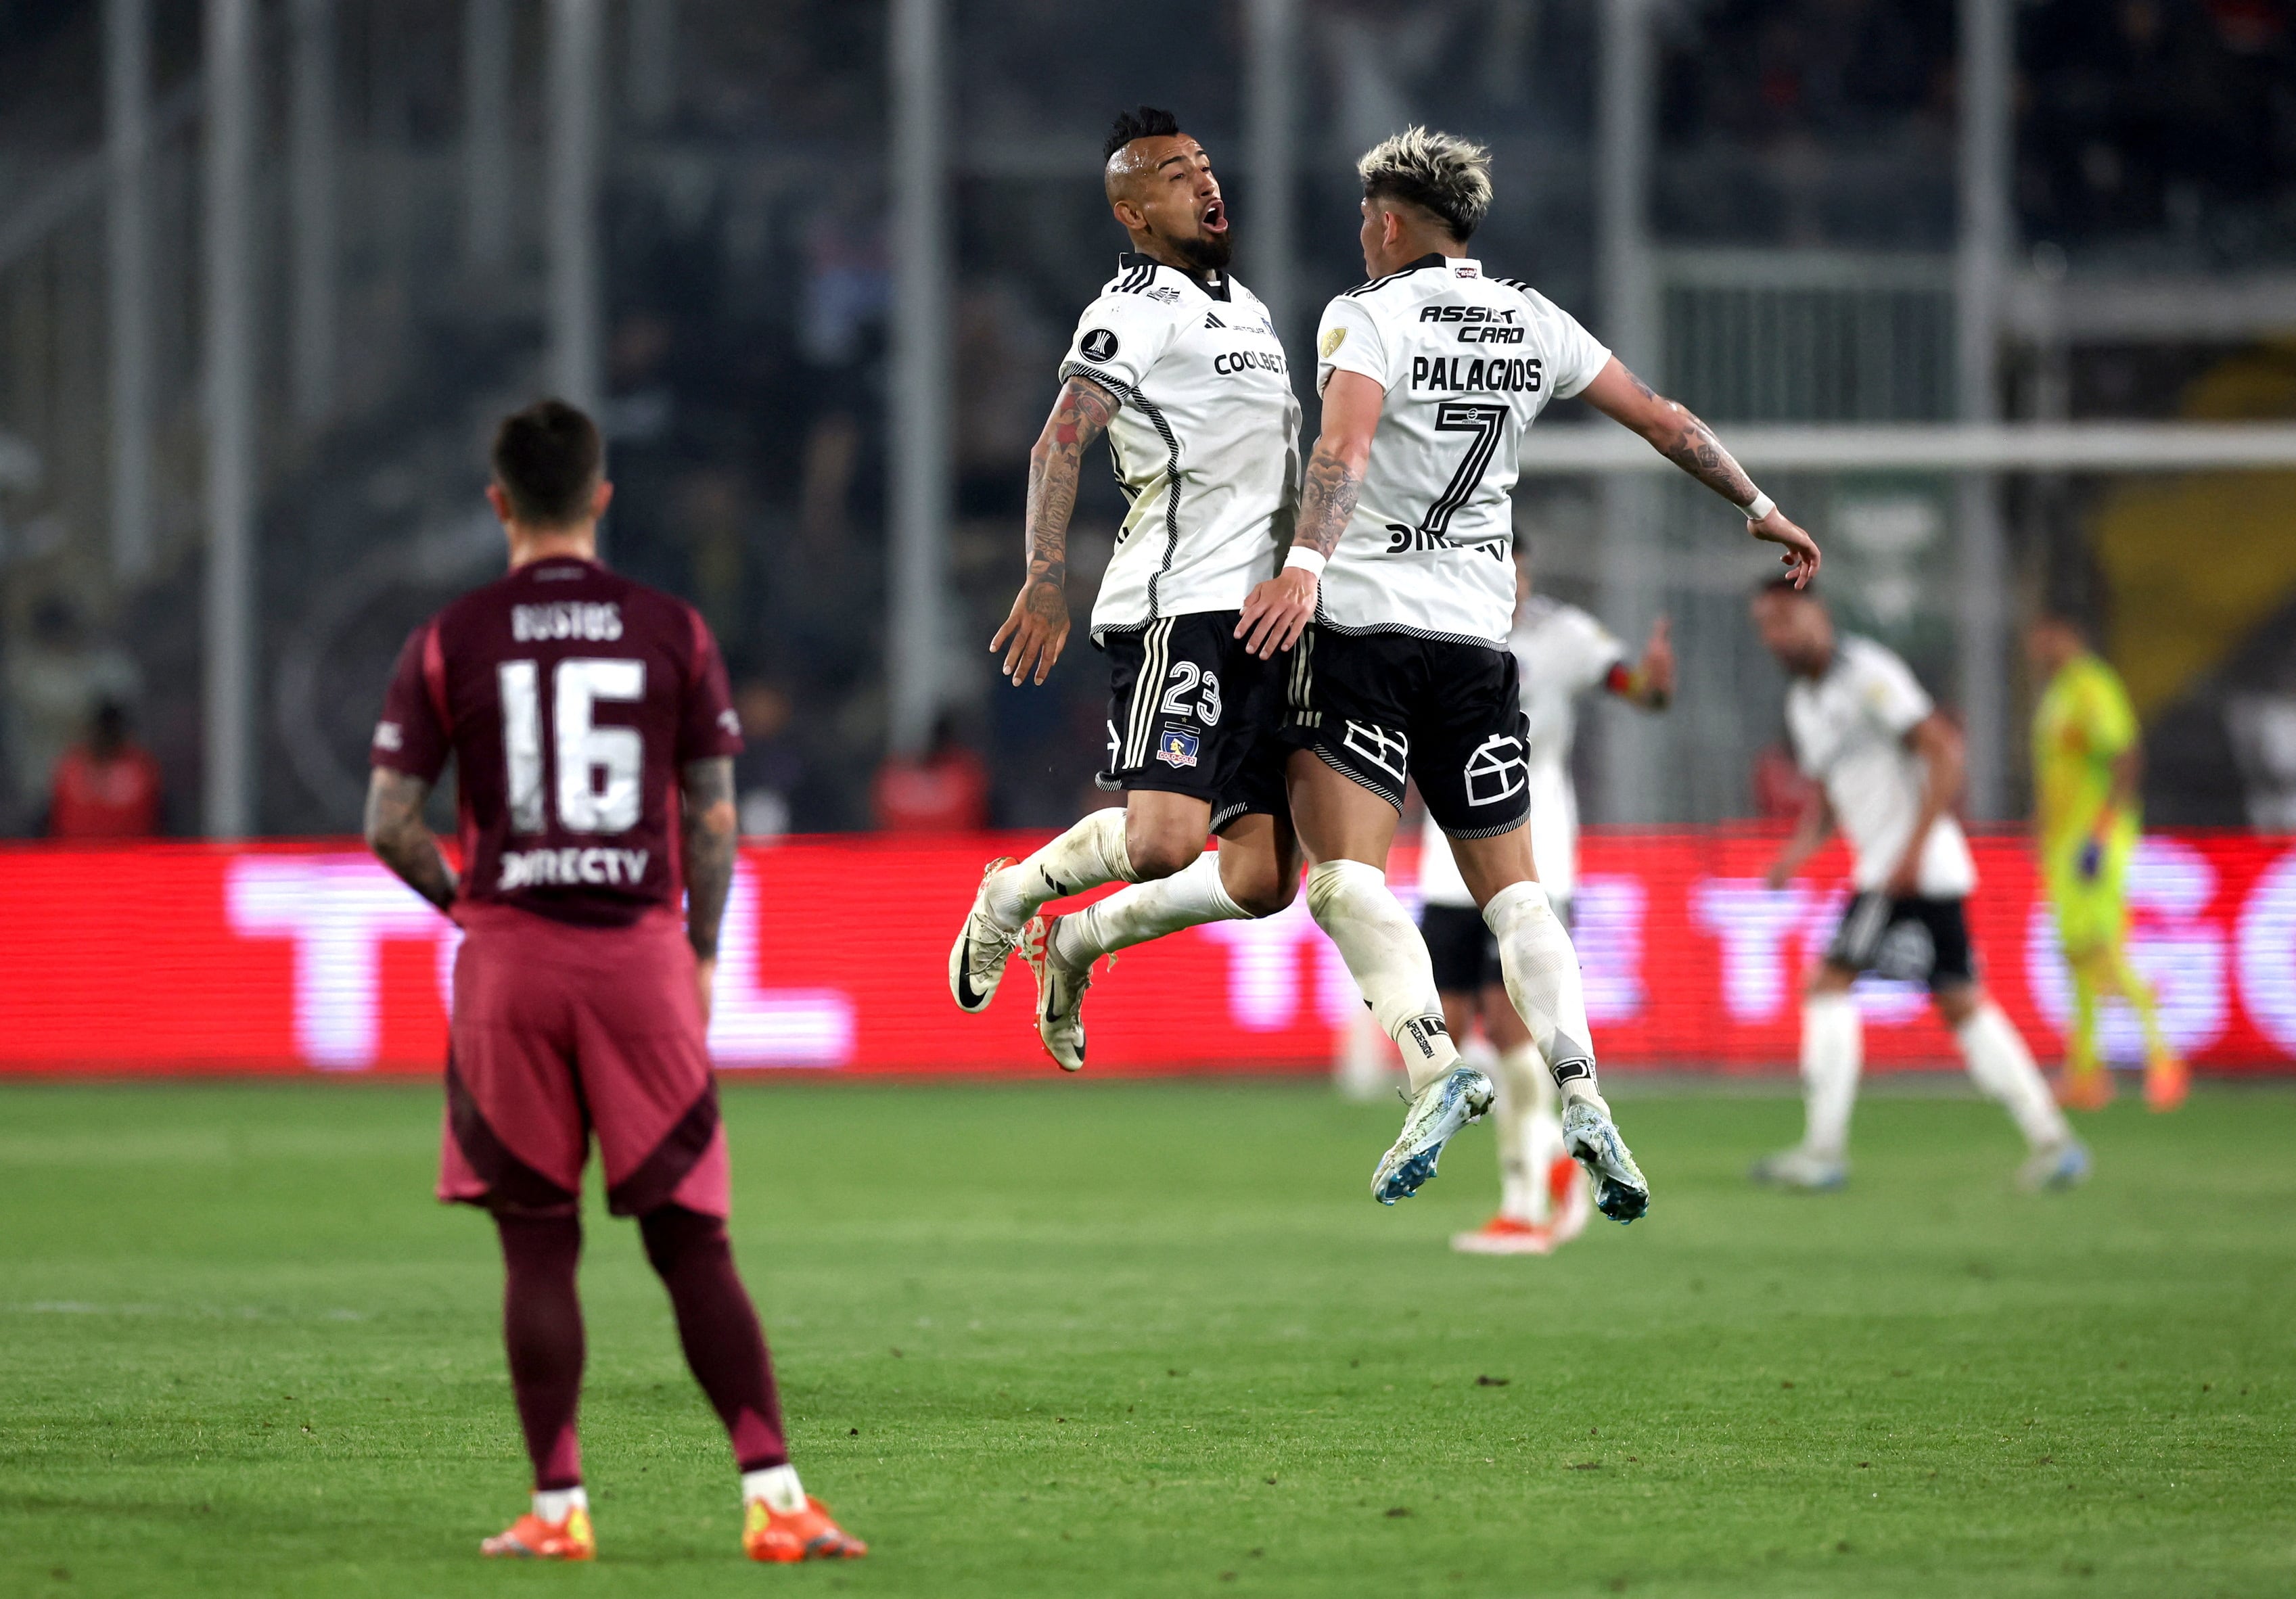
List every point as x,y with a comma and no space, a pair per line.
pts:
554,1505
1145,911
1832,1055
2003,1068
1091,853
1542,979
1385,954
1529,1135
777,1486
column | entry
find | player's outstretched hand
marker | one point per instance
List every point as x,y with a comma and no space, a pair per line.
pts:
1037,626
1800,558
1277,611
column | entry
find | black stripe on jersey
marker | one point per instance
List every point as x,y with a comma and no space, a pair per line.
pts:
1136,281
1421,265
1116,466
1155,415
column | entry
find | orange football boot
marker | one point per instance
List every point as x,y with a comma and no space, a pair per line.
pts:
2090,1090
1504,1235
2167,1080
786,1537
531,1538
1569,1199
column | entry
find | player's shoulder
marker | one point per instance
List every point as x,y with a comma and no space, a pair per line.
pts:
1873,666
1398,289
1543,615
676,621
1522,288
1860,654
2097,677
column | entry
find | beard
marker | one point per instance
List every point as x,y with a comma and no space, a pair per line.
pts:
1207,252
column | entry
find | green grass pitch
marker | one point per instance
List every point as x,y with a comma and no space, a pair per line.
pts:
1088,1337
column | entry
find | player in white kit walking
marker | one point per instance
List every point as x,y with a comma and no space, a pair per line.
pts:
1562,653
1179,366
1399,593
1890,768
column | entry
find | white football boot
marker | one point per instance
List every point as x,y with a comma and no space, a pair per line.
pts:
1591,1138
2063,1164
1060,994
1801,1167
976,961
1459,1096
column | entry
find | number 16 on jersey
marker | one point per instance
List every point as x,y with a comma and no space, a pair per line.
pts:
584,749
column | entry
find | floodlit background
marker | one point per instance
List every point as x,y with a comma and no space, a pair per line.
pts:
1997,296
267,271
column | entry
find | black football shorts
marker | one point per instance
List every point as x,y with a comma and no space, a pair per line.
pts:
1913,940
1192,711
1464,954
1381,708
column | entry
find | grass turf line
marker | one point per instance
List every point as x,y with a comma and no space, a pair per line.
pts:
1114,1338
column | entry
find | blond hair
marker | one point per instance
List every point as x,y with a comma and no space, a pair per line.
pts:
1445,175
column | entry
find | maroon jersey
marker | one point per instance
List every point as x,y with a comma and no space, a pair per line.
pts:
570,698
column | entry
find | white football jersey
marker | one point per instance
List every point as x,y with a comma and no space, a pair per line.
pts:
1848,730
1467,362
1563,653
1205,445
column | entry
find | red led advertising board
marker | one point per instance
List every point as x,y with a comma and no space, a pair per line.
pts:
190,958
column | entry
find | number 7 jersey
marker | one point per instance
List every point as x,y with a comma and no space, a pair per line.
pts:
570,697
1468,362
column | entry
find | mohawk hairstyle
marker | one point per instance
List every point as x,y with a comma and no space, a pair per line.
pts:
1146,122
1447,176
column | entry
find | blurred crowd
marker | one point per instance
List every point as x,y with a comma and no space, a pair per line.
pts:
2151,128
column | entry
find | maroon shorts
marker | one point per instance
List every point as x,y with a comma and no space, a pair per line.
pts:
560,1032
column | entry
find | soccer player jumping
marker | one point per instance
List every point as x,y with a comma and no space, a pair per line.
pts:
593,737
1890,768
1561,652
1398,595
2087,761
1179,366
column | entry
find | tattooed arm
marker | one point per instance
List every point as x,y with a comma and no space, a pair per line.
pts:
402,841
1278,610
708,829
1037,625
1674,432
